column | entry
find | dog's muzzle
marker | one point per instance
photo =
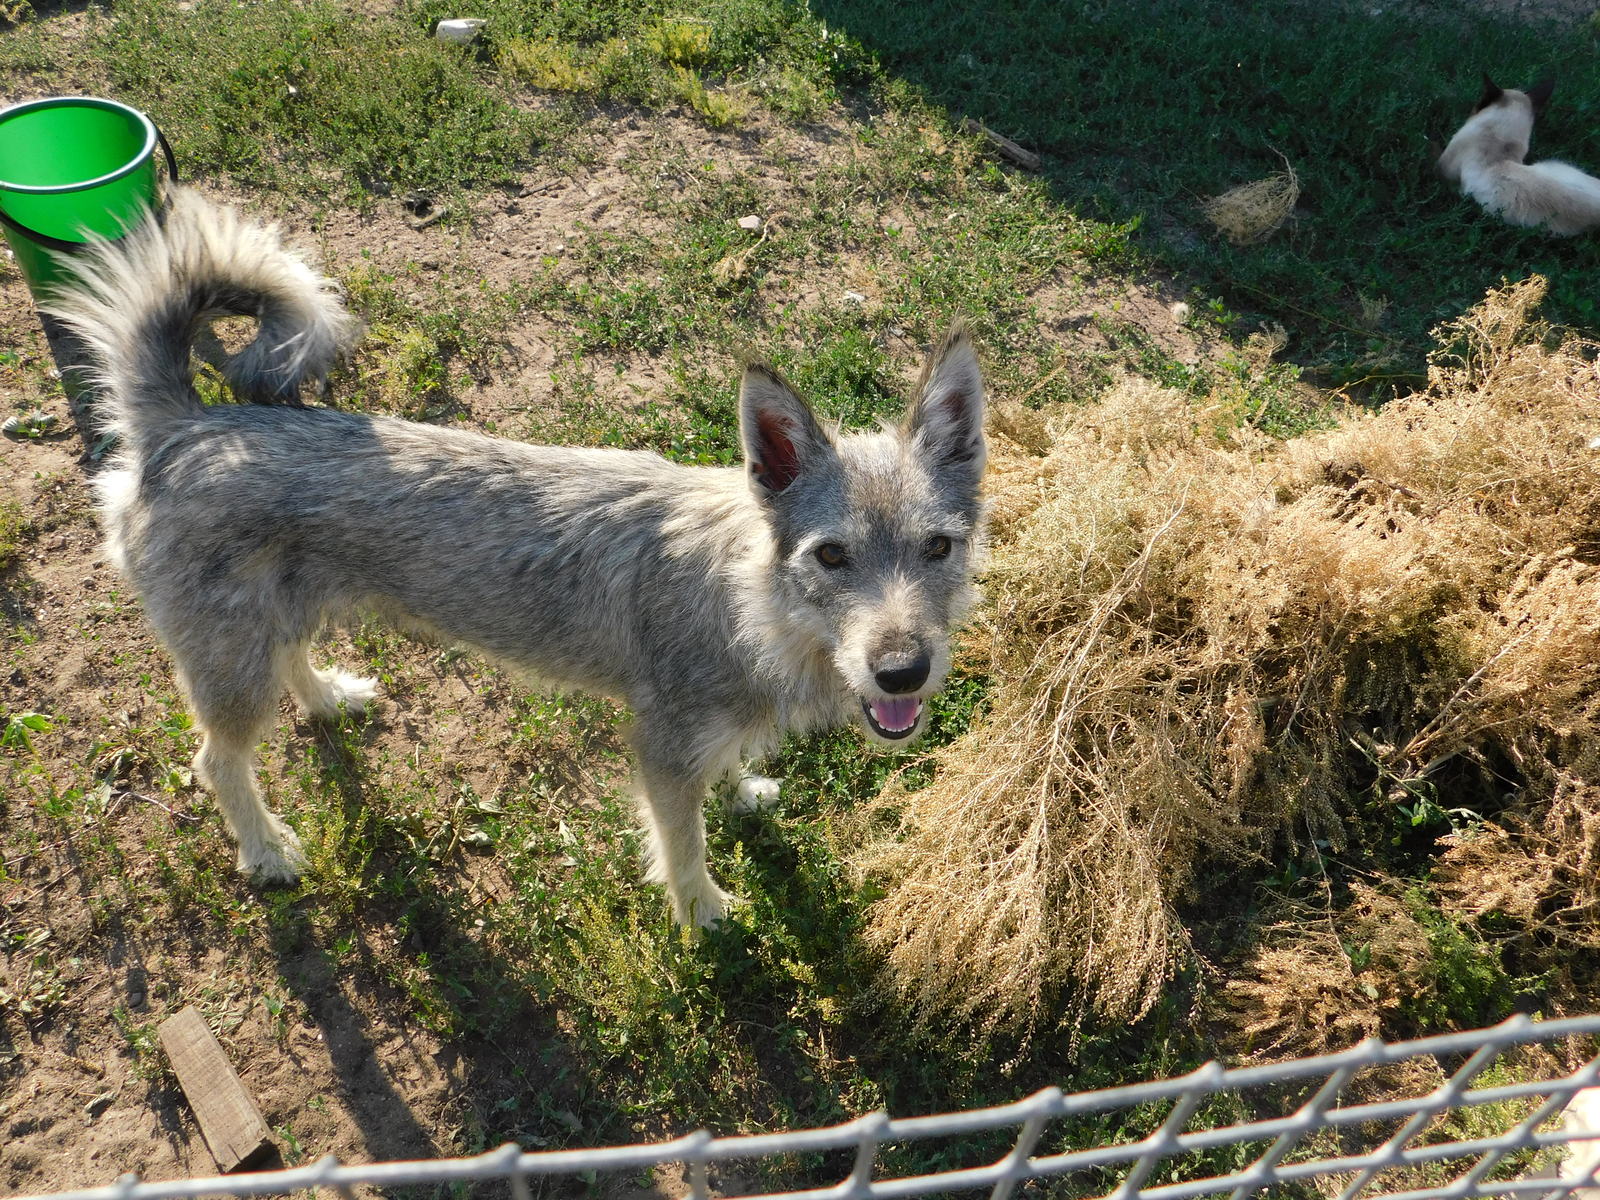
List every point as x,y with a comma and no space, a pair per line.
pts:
899,673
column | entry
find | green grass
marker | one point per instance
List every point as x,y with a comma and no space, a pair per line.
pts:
1468,984
988,242
302,99
428,338
721,61
14,532
1142,110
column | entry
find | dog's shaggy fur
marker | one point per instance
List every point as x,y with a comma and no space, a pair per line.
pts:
725,606
1484,159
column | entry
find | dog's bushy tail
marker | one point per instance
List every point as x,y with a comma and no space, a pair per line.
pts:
138,302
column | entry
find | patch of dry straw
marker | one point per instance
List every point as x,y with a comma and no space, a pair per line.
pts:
1301,993
1254,211
1205,645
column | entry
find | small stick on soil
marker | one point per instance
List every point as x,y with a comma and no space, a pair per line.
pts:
1008,149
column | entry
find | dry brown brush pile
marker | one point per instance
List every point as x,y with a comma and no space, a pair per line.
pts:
1206,646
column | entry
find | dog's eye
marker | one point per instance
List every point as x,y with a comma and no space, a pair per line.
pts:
938,546
830,555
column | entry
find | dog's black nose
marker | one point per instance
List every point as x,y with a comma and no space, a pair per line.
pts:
903,672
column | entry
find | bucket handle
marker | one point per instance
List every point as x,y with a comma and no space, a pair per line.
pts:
64,247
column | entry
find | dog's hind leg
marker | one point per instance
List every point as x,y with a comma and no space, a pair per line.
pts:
321,693
233,697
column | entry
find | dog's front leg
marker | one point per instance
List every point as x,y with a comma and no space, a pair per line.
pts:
674,817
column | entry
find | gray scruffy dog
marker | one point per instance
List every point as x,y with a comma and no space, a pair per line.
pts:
817,585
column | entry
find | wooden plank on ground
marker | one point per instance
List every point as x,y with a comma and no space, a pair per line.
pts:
229,1119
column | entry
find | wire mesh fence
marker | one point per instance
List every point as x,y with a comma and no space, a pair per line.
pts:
1462,1135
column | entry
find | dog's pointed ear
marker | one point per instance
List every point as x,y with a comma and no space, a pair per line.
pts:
947,414
781,435
1492,91
1540,93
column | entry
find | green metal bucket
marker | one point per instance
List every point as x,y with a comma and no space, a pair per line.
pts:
71,167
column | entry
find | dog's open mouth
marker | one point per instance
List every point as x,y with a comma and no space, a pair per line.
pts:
893,719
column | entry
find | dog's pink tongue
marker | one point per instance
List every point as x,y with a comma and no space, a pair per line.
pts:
895,715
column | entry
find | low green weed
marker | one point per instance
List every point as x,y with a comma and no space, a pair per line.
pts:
20,728
1468,985
715,60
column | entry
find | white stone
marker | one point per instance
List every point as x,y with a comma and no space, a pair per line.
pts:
459,31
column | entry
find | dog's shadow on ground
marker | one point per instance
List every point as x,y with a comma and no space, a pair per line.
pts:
452,994
415,958
388,1122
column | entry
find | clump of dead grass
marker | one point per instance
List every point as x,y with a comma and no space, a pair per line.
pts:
1254,211
1537,871
1316,983
734,266
1205,645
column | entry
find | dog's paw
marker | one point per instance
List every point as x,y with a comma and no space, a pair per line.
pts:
704,907
328,695
722,912
274,863
756,793
355,692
